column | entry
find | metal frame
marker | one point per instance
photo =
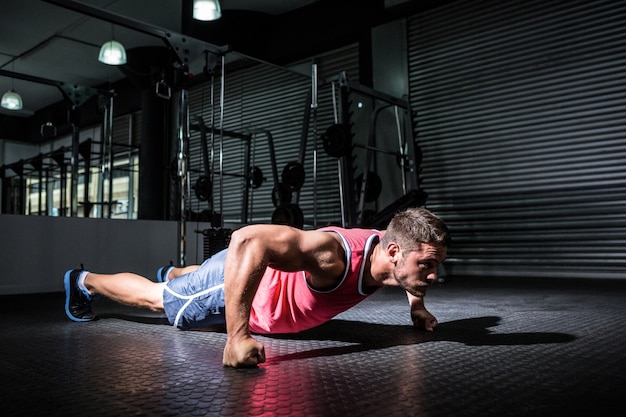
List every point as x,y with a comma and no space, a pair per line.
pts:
353,205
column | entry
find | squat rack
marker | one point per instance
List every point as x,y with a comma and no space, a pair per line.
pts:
337,141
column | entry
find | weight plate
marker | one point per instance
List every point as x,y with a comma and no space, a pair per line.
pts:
256,177
289,215
281,195
293,176
203,188
336,141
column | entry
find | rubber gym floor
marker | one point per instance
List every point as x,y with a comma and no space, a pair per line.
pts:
504,347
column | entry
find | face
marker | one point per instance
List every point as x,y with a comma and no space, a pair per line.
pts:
415,270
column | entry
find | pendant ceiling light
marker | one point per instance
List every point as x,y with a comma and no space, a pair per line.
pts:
11,100
206,10
112,53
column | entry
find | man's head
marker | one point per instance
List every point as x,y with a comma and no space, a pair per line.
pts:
416,225
415,244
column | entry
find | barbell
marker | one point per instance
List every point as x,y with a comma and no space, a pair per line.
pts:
337,142
204,186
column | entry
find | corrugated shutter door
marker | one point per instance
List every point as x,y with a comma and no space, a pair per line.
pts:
520,115
262,99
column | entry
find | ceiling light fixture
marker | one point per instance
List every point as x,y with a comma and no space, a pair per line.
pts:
11,100
206,10
112,53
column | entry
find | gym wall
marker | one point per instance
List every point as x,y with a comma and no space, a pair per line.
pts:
520,116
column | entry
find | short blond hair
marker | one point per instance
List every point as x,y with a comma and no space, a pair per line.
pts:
416,225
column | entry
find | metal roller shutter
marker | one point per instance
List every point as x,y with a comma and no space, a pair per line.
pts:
520,115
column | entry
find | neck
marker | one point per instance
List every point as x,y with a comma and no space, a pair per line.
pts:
371,273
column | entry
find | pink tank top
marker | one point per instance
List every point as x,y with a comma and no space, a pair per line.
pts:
285,303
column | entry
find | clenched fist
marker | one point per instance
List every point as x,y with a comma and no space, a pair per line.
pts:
423,319
243,352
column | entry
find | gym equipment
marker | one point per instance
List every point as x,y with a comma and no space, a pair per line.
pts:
293,175
288,214
286,211
256,177
48,174
215,240
373,187
182,159
380,220
14,188
338,142
204,186
281,194
314,106
186,49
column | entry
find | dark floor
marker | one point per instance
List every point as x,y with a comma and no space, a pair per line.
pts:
503,348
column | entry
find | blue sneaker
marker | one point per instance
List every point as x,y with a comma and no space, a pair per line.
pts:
163,272
77,301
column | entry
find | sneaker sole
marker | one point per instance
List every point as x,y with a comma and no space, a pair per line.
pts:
66,284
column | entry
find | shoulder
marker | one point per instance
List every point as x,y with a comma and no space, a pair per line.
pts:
355,238
286,248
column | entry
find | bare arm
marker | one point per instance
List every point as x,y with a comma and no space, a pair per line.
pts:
420,316
251,250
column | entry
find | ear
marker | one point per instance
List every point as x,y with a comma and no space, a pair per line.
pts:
393,252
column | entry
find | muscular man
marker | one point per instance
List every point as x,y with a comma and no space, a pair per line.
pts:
278,279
